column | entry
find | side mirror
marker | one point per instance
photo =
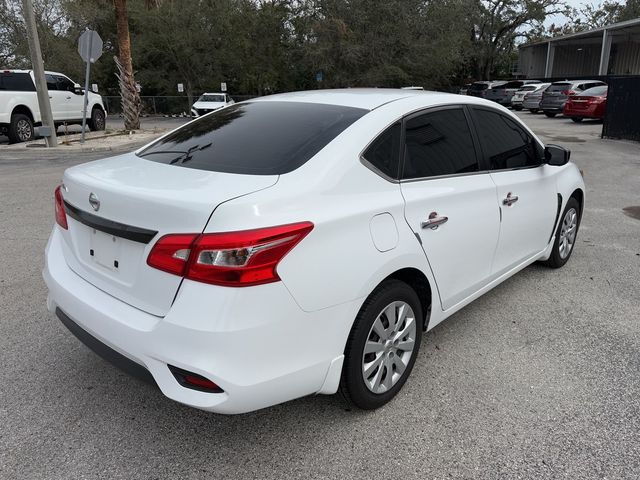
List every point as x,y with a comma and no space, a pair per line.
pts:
556,155
77,89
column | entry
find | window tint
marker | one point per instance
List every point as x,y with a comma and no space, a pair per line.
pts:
594,91
260,138
504,143
52,83
64,84
17,82
438,143
384,152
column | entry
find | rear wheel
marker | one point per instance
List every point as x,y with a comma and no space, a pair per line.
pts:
20,128
550,114
517,108
566,235
382,346
97,122
576,119
534,110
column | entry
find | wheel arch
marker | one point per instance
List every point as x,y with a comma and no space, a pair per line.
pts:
419,282
24,110
578,194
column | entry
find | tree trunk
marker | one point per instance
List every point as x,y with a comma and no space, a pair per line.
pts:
130,96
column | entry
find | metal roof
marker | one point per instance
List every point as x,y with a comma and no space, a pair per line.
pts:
587,33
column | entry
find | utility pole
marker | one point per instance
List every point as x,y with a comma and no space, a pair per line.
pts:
38,72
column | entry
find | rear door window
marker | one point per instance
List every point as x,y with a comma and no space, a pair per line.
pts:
254,138
438,143
505,144
17,82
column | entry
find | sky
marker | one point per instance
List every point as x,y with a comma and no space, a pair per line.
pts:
561,19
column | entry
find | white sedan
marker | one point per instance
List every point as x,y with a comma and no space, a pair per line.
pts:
301,243
209,102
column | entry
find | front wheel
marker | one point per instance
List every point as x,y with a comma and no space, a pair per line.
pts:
97,122
565,235
382,346
576,119
534,110
550,114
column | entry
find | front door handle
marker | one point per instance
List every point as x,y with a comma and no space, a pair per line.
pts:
510,199
434,221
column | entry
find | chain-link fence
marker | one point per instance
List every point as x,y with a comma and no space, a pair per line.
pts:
160,105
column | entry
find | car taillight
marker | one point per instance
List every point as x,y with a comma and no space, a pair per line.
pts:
234,259
61,215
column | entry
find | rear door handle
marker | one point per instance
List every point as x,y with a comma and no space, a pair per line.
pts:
510,199
434,221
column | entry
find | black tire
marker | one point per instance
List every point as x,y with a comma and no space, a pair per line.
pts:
550,114
352,382
577,119
556,260
20,128
517,108
534,110
97,122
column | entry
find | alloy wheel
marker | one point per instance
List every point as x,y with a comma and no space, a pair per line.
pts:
389,347
568,233
23,130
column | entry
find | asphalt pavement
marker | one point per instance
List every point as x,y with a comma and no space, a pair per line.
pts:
539,378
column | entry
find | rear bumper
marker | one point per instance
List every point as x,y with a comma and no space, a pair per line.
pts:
592,111
255,343
530,104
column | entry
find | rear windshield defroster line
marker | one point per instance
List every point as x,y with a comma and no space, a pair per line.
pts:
254,138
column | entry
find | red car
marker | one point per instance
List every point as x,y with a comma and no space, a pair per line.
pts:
591,103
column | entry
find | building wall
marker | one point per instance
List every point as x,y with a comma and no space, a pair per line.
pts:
533,60
576,60
625,57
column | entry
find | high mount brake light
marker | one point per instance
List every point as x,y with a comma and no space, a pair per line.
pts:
61,215
234,259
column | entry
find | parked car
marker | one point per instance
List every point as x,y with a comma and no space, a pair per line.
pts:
531,100
556,95
209,102
592,103
20,112
464,89
517,100
502,93
480,89
301,243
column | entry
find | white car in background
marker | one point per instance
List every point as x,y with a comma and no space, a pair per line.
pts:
301,243
20,111
209,102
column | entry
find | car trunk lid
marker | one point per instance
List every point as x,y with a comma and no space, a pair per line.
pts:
119,207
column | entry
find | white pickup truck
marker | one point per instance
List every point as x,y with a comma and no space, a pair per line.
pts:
19,111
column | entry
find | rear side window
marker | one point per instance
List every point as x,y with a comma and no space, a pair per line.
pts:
438,143
384,152
260,138
17,82
505,144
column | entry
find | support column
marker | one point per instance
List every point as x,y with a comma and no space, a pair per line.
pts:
605,53
548,69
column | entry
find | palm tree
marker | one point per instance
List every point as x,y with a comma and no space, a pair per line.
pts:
128,91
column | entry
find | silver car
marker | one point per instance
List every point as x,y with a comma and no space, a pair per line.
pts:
529,100
556,95
503,93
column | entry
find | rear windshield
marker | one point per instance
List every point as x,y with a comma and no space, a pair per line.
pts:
479,86
594,92
559,87
260,138
17,82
